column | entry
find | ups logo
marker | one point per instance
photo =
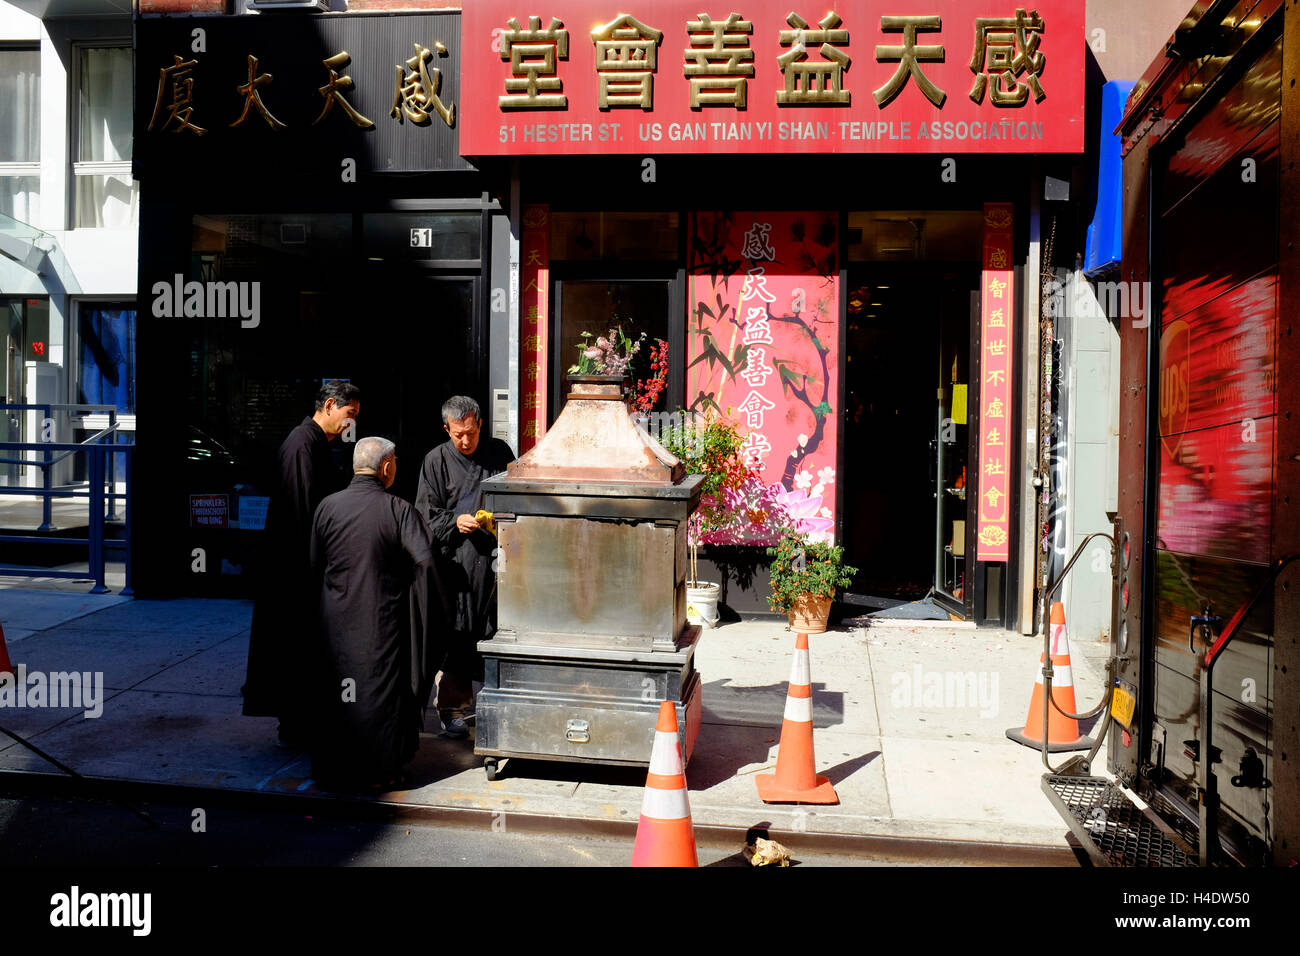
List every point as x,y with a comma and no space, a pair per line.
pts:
1175,394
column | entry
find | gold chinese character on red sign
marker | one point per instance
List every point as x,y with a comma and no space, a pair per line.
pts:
719,61
534,56
417,90
812,84
909,57
1005,48
625,63
332,91
180,107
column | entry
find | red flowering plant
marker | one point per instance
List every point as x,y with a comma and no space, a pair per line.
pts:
646,391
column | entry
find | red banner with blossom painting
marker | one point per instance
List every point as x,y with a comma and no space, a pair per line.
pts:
763,352
534,279
997,298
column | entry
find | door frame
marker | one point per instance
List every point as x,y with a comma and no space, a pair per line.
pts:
560,353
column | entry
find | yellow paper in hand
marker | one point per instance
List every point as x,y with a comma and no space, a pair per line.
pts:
486,520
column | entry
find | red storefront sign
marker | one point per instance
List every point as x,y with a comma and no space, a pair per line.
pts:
546,77
534,281
997,338
763,353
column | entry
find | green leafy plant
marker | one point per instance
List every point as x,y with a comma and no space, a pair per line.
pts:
710,448
800,566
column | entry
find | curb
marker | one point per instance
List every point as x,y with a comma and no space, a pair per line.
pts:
878,848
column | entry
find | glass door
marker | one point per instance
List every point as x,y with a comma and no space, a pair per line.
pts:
952,445
649,306
11,340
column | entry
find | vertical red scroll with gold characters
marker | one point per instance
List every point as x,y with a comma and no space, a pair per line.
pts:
997,295
534,279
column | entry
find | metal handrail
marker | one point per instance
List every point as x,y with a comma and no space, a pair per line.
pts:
1206,782
1048,700
47,462
97,498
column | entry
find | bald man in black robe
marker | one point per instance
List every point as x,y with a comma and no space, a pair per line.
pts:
284,614
366,546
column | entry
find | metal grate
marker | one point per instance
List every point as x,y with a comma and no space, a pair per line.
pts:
1110,827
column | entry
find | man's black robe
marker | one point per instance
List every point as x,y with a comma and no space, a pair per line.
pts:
449,486
284,615
365,547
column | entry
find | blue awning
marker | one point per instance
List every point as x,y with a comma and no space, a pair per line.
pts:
1105,243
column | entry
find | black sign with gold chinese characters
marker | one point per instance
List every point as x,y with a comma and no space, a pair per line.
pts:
332,96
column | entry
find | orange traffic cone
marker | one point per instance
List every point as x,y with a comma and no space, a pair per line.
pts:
796,780
5,666
664,835
1062,732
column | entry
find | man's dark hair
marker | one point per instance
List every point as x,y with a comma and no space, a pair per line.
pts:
457,407
343,393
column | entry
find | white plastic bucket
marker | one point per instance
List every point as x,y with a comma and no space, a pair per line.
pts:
702,603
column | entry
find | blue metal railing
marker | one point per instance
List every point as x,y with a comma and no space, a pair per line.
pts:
101,468
47,463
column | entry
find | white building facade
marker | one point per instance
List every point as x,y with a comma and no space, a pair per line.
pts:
68,217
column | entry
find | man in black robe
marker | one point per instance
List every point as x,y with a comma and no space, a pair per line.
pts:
365,548
448,497
284,615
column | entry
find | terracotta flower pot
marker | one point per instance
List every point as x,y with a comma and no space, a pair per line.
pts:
810,614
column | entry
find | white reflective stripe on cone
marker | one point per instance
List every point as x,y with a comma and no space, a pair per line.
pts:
664,758
665,804
799,709
799,671
1062,676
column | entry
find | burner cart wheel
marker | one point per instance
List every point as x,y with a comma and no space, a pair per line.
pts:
491,767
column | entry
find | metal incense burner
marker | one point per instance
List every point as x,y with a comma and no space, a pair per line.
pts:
591,592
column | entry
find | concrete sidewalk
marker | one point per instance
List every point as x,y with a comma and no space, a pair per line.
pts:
910,751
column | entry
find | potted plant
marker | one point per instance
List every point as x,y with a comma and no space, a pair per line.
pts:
711,449
805,577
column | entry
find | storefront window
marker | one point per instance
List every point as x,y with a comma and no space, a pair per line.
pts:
637,307
908,235
399,330
627,236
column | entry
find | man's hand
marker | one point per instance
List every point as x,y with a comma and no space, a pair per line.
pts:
466,524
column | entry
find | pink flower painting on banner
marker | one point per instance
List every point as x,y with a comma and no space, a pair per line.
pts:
762,352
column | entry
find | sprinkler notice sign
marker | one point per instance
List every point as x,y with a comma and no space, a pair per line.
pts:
209,511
